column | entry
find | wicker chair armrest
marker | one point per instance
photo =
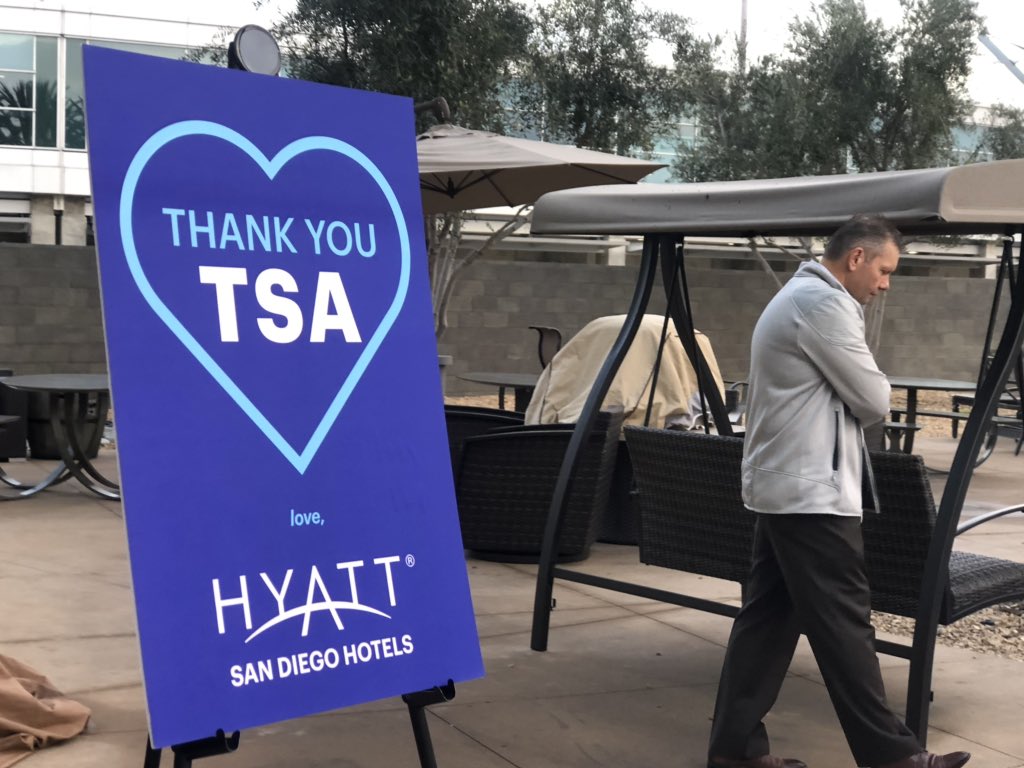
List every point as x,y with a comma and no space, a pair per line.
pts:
483,411
463,422
534,428
974,522
521,433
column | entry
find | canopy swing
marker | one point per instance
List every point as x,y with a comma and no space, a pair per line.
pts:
986,198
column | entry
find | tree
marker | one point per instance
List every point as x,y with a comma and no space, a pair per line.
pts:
16,126
462,50
1004,138
848,93
587,79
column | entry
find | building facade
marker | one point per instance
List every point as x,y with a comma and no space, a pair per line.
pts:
44,169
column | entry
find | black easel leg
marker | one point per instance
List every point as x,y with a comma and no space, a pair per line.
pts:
417,703
152,759
185,753
421,731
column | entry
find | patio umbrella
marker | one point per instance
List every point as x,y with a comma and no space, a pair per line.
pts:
462,169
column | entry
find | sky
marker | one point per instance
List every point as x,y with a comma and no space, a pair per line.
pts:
227,13
767,26
768,22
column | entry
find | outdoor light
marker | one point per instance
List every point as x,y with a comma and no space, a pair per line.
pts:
254,50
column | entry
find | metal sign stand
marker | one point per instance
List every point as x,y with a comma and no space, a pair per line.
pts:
222,744
185,753
417,704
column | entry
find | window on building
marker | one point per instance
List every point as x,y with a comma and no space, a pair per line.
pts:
28,90
74,90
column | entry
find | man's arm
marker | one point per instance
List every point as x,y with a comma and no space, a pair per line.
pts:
833,338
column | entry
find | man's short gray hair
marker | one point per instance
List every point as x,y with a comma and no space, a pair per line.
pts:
869,231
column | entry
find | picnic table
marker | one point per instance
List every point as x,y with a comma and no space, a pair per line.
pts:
522,384
913,385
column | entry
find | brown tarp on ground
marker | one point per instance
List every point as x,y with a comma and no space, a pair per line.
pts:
33,714
564,385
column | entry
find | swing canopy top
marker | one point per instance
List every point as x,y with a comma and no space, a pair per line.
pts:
983,198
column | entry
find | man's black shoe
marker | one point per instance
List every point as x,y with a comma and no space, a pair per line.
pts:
764,761
929,760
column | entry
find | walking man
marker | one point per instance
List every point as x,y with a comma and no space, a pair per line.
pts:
813,382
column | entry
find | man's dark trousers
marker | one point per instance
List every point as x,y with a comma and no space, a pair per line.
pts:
808,576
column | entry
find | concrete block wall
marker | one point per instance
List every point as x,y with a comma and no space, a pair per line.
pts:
933,326
50,317
495,303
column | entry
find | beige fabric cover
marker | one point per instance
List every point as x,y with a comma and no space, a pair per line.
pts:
33,714
564,385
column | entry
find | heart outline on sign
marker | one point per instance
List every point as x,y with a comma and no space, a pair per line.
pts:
271,167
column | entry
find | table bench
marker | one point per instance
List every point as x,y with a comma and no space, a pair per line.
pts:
1009,426
955,416
692,519
896,433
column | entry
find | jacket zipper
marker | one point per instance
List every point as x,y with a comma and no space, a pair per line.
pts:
876,505
835,450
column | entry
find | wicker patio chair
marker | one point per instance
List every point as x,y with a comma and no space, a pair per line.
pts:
507,479
465,421
549,341
14,430
620,523
896,549
691,515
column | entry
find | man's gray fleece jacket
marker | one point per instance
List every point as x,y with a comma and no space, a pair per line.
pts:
813,382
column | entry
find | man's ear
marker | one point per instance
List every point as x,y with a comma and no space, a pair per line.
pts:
855,257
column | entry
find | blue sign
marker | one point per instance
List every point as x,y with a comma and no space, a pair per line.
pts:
285,472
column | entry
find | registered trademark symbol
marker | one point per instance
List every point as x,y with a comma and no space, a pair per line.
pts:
410,560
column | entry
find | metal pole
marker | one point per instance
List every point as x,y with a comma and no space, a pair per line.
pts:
588,416
421,732
937,565
682,316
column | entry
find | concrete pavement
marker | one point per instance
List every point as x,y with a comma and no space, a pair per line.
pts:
626,682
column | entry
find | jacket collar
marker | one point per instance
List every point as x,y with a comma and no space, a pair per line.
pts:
816,269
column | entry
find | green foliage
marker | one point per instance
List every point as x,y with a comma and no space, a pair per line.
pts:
587,79
1004,138
849,93
16,127
215,52
462,50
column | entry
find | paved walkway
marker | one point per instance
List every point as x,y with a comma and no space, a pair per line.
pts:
626,682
